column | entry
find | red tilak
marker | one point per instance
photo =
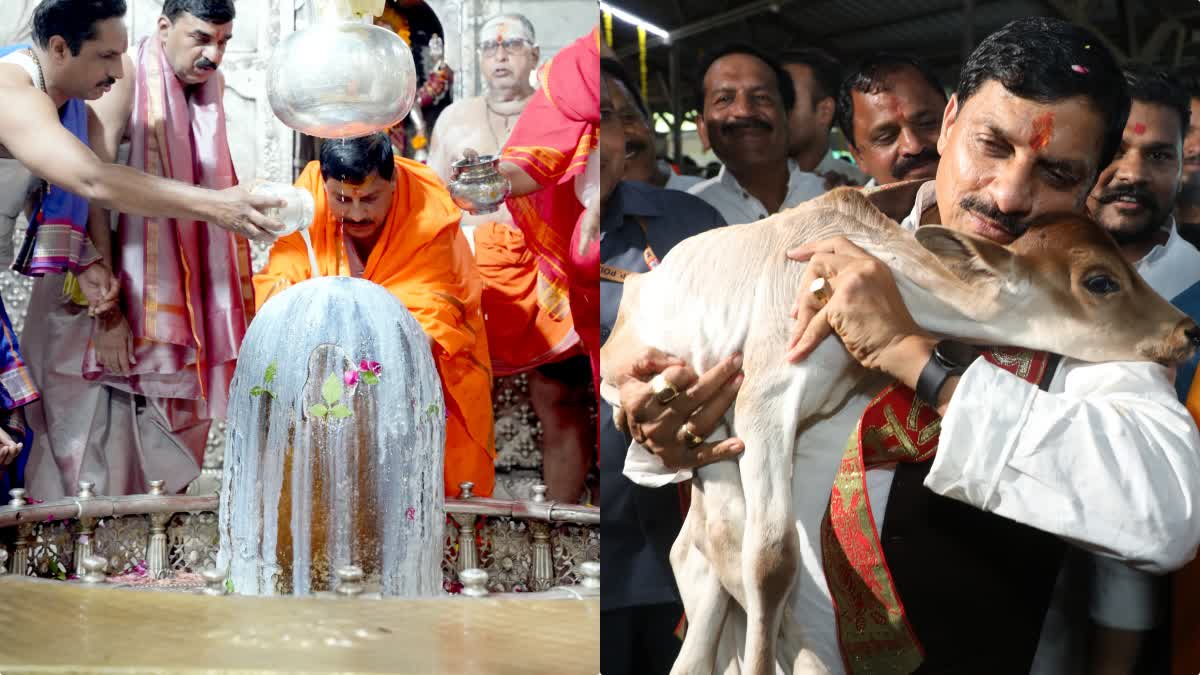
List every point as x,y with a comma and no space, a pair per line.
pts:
1043,128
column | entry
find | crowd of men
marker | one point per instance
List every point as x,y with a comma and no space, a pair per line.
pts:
1080,494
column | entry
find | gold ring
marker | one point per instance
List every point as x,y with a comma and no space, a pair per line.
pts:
691,438
821,290
664,392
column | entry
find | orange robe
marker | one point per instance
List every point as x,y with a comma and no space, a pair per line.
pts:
424,260
521,334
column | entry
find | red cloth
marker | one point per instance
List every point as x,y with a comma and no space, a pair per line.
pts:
550,143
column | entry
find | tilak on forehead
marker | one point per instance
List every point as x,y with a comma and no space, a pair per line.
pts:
1043,130
1139,128
504,28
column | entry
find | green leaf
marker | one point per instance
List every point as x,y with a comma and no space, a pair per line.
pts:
340,411
370,378
331,391
433,409
256,391
269,376
229,586
318,410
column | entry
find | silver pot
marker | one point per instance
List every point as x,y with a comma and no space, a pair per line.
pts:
477,186
341,80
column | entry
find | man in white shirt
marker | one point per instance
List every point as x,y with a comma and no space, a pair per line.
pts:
890,111
816,76
1134,199
747,97
1102,455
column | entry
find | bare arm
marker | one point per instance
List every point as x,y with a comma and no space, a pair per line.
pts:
30,130
522,184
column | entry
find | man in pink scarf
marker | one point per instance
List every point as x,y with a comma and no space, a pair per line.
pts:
128,397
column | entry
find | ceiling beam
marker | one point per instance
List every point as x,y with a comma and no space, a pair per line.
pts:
741,13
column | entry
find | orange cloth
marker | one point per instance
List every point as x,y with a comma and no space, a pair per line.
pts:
423,258
521,334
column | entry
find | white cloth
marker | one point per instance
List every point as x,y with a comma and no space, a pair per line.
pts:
736,205
676,181
1105,458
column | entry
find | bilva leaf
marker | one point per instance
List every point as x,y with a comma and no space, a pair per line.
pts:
256,391
269,376
340,411
331,391
318,410
432,409
370,378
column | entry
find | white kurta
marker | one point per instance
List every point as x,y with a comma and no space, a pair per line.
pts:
737,206
1105,458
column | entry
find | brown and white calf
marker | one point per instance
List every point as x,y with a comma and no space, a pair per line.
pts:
1062,287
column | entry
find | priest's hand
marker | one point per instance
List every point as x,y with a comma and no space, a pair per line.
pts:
244,213
114,345
101,288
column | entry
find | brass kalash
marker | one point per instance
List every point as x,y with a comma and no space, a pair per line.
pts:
331,491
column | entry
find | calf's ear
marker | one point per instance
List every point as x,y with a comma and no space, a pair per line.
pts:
976,261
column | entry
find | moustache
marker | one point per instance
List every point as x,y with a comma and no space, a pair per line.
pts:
1006,221
1136,192
738,125
909,163
205,64
107,82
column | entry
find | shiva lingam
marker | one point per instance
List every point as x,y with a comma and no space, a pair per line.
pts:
368,86
476,184
334,447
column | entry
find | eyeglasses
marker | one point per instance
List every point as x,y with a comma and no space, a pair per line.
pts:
511,46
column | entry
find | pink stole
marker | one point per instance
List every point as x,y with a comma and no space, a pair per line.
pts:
185,285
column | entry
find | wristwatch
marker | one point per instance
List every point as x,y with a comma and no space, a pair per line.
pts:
949,359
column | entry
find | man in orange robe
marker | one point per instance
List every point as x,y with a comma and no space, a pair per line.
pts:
390,220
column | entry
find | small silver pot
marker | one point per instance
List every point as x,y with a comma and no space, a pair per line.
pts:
477,186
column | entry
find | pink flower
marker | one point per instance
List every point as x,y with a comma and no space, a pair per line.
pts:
351,377
1082,70
371,366
411,513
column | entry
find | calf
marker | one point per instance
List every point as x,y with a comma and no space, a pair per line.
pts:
1062,287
